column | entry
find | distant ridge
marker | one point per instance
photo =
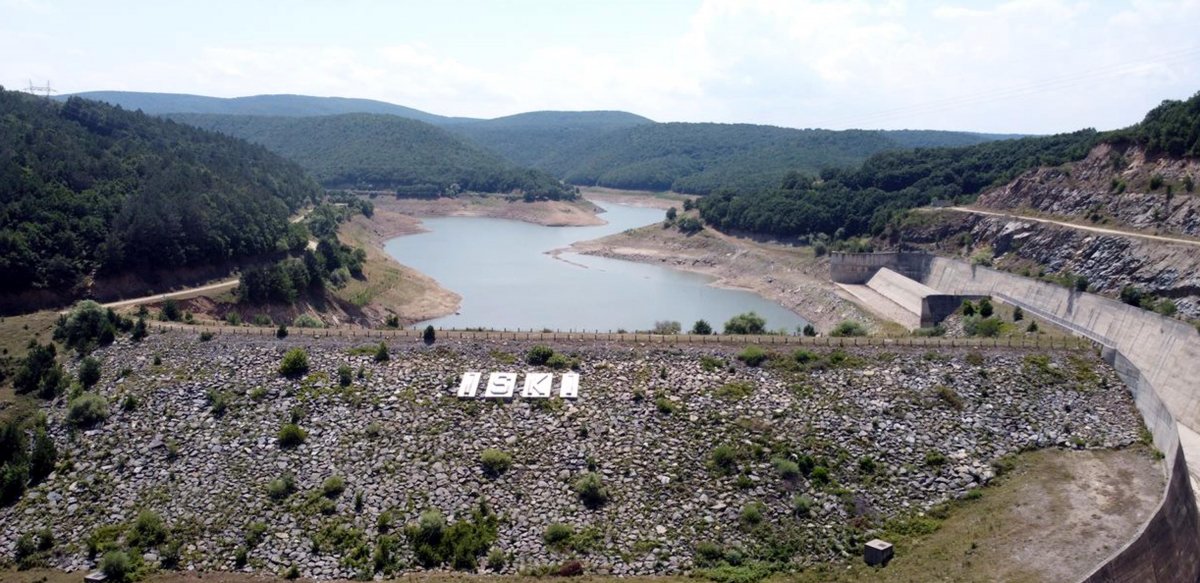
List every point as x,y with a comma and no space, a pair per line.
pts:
278,105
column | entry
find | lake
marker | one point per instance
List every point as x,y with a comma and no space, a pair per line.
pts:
507,280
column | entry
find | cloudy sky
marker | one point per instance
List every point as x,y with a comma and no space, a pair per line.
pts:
1023,66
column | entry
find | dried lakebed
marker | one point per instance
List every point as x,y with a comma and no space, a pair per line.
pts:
684,440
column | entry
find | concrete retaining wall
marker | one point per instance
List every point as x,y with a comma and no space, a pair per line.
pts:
1158,359
858,268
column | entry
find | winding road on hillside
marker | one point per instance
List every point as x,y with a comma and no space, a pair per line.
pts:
1077,226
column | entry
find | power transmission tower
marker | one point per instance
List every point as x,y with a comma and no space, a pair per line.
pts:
42,90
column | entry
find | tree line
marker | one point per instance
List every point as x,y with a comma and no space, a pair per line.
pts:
90,189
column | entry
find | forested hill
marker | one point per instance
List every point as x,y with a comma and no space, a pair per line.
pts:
87,188
282,105
383,152
863,200
529,139
700,158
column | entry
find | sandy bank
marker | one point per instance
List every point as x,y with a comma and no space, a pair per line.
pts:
638,198
793,277
550,213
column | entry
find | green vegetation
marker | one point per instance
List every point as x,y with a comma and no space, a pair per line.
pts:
291,435
1172,128
747,323
19,463
294,364
371,151
88,326
429,335
753,356
333,487
40,372
495,462
701,328
381,353
539,355
591,490
91,188
734,390
86,410
848,328
851,202
281,487
434,543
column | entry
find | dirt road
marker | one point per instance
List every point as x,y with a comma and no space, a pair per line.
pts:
1078,226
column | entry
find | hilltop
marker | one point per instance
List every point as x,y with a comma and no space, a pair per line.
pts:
93,190
373,151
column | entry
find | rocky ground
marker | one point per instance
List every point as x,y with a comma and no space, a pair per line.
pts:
897,432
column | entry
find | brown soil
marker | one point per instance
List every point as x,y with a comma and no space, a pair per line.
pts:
551,213
789,275
640,198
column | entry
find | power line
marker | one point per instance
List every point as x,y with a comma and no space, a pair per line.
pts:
42,90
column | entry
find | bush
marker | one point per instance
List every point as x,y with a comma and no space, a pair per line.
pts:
559,361
496,560
171,311
1032,327
968,309
948,396
218,403
1081,283
429,335
281,487
591,490
802,506
701,328
381,353
934,458
139,330
848,328
723,459
333,487
557,534
345,375
819,475
206,336
747,323
1018,314
1131,295
295,363
87,326
788,469
233,319
116,565
664,405
44,455
281,332
39,371
495,462
752,356
307,321
985,327
87,409
147,532
667,327
985,308
89,372
290,435
809,330
752,514
538,355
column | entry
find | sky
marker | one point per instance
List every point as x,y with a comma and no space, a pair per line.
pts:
1015,66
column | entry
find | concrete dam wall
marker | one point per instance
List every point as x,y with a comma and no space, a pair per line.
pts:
1159,358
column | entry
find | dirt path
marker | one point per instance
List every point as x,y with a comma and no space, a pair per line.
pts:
220,286
1077,226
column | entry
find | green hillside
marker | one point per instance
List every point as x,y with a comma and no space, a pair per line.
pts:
529,139
702,157
87,188
282,105
382,152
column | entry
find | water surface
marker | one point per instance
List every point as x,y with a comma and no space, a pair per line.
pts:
507,280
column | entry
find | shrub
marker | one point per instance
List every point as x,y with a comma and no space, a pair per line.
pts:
307,321
809,330
752,355
934,458
591,490
788,469
281,332
1166,307
290,435
218,402
752,514
206,336
495,462
1081,283
345,375
87,409
735,390
701,328
295,363
40,372
170,310
429,335
711,363
89,372
43,456
723,459
333,487
496,560
985,327
948,396
819,475
139,330
1156,182
664,405
116,565
557,534
708,554
255,533
867,465
848,328
281,487
233,319
1032,327
974,358
1018,314
539,355
292,572
1131,295
802,506
667,327
968,309
381,353
747,323
392,321
985,308
87,326
147,532
559,361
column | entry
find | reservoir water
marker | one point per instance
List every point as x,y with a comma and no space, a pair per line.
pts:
507,280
